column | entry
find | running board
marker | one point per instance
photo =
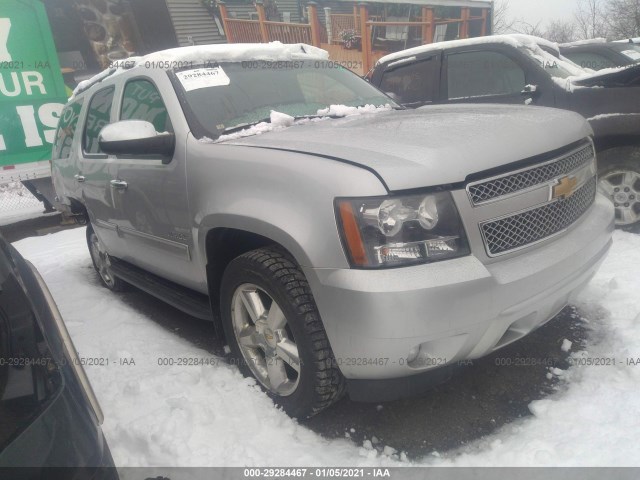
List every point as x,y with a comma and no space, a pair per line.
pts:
184,299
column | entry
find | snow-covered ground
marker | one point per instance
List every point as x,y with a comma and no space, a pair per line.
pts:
17,204
209,415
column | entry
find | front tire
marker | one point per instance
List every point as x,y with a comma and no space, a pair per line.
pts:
102,263
275,333
619,180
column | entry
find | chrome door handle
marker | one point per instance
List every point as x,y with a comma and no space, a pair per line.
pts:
119,184
79,178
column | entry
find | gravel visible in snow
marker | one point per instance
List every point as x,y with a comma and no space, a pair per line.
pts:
208,415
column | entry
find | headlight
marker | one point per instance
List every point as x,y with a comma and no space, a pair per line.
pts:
396,231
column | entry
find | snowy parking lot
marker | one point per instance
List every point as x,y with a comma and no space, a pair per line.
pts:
169,400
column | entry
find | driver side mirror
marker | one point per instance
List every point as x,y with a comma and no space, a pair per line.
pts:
136,137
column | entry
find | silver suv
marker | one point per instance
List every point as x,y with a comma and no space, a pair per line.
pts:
338,241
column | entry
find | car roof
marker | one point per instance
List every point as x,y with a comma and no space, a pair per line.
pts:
201,54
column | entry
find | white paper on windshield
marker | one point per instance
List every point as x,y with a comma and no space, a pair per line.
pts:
203,78
632,54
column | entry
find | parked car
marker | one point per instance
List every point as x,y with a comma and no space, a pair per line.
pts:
348,243
519,69
49,415
597,55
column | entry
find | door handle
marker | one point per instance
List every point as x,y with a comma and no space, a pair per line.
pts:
119,184
79,178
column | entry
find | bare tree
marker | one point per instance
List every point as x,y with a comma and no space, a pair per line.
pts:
502,20
560,31
520,26
591,19
624,18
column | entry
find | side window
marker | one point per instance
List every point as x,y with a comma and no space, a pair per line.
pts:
480,74
142,101
97,117
413,82
590,60
67,129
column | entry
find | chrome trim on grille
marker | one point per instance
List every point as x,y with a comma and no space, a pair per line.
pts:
526,179
525,228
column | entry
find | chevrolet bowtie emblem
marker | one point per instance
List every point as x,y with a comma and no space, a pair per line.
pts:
565,187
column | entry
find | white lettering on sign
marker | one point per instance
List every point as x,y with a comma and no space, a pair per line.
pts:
3,146
5,26
28,119
49,114
10,85
203,78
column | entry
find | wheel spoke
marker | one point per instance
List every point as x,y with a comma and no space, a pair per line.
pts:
276,319
248,337
628,179
277,372
627,216
253,304
288,351
606,187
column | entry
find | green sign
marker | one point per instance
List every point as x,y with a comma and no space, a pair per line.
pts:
32,91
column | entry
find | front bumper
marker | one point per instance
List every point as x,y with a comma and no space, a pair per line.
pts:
394,323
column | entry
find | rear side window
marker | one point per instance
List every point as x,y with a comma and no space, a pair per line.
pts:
98,116
481,74
590,60
142,101
67,129
413,83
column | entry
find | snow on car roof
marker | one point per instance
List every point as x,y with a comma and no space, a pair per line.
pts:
514,40
238,52
584,42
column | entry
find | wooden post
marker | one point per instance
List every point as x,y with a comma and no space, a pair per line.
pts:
264,34
312,10
483,27
427,30
356,22
327,24
365,39
224,14
464,28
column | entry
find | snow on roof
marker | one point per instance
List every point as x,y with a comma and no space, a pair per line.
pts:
514,40
238,52
584,42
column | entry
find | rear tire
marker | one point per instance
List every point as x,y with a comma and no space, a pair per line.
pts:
271,323
102,263
619,180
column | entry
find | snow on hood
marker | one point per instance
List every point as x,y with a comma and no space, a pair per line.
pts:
280,121
425,147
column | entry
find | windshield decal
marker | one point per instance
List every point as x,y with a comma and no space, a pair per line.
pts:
203,78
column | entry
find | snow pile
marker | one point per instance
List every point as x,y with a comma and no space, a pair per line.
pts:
209,415
347,111
595,419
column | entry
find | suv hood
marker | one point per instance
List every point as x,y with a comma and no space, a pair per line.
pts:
433,145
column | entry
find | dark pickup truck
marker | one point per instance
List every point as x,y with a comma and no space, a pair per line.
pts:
520,69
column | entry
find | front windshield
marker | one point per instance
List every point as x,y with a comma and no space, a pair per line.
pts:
244,93
629,50
555,66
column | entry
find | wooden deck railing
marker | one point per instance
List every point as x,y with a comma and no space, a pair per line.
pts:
374,33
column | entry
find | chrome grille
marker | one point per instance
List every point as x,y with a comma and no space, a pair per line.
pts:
497,187
525,228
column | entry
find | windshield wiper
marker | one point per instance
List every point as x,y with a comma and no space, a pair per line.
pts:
242,126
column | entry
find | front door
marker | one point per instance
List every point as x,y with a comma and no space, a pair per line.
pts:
150,195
